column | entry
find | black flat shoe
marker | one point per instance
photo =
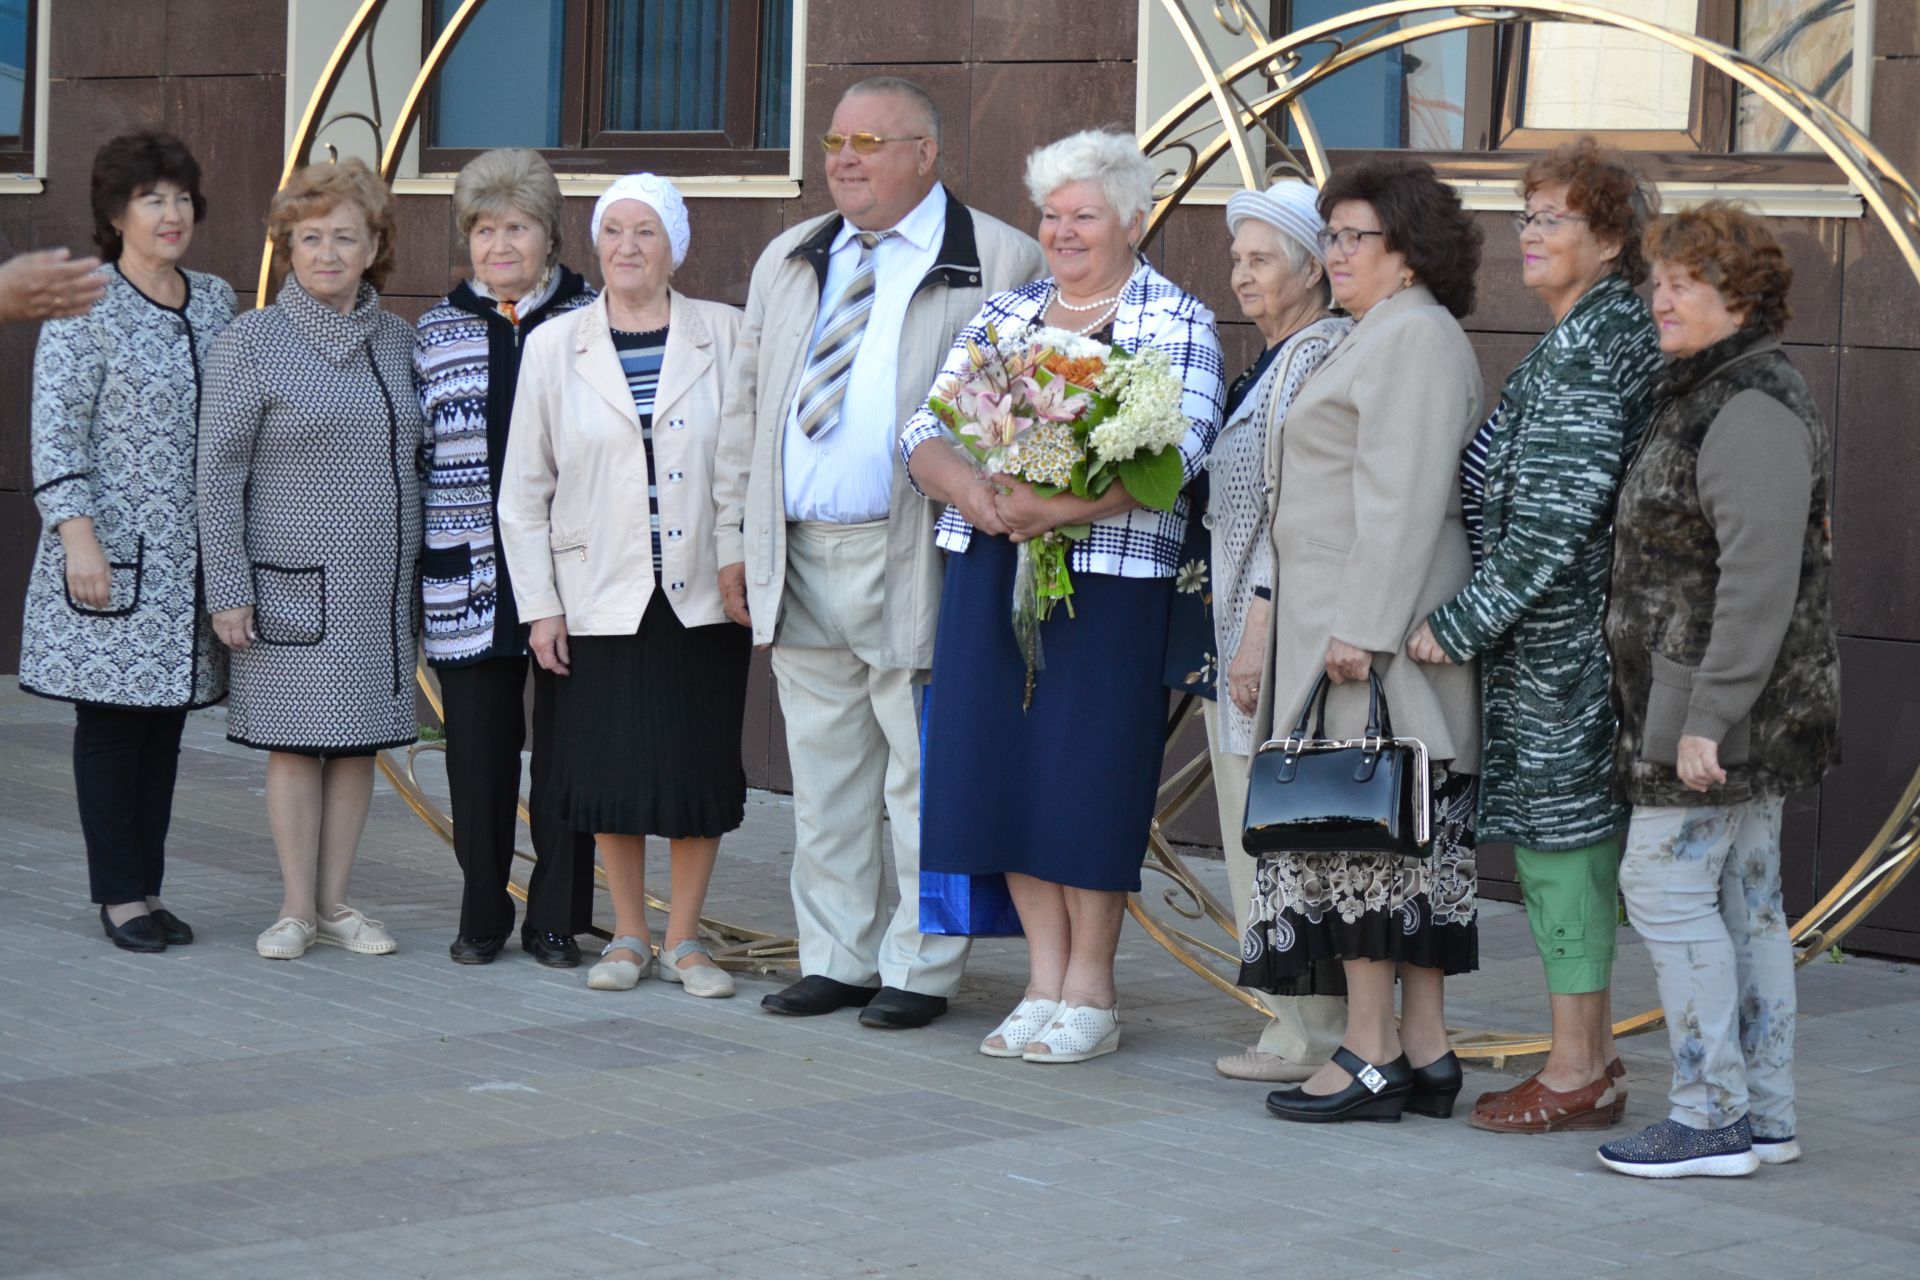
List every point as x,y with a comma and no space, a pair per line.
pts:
1374,1093
1435,1086
815,995
554,950
482,950
137,934
897,1010
175,930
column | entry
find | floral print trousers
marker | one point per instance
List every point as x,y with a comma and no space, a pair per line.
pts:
1702,885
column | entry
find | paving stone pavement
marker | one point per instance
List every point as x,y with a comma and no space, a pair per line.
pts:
209,1113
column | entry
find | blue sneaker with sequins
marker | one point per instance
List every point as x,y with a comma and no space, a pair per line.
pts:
1674,1150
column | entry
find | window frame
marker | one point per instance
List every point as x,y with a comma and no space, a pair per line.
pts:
583,79
1495,86
23,159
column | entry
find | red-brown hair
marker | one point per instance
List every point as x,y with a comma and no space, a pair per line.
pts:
1605,190
1732,250
317,188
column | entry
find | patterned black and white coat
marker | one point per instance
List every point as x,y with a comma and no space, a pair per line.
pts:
310,512
467,360
115,394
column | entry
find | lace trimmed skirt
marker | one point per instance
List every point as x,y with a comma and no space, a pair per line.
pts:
1311,911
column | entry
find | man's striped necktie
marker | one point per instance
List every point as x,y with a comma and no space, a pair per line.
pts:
823,386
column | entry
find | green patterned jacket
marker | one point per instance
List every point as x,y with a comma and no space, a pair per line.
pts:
1533,612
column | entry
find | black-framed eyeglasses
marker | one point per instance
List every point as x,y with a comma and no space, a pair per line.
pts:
1548,220
864,144
1347,238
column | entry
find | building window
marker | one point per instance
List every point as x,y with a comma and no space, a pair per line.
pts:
18,47
688,87
1481,103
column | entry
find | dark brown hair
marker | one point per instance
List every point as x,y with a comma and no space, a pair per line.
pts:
317,188
134,163
1424,222
1605,190
1732,250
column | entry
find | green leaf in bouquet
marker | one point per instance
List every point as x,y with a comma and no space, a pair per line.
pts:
1074,532
1155,480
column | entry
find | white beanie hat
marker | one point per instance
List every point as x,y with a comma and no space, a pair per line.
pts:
657,194
1290,205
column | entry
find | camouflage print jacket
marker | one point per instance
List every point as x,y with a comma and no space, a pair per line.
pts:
1719,623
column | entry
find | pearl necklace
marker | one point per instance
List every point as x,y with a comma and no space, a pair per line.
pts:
1101,309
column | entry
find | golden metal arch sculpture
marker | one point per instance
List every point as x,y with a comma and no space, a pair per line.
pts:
1291,64
1296,62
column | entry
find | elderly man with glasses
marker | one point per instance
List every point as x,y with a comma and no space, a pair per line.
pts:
826,551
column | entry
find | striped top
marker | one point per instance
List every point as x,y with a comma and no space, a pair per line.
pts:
640,357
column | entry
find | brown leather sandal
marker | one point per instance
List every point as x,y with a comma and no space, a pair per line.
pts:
1531,1107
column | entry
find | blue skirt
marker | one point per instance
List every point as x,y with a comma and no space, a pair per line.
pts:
1065,790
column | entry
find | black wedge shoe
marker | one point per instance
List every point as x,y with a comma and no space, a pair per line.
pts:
1376,1093
1435,1086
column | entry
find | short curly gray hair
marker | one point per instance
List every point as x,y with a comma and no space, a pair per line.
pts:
507,179
1105,156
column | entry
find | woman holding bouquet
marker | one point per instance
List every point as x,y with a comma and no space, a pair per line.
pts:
1368,539
1021,735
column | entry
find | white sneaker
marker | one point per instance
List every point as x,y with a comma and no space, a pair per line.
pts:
1776,1150
356,933
286,939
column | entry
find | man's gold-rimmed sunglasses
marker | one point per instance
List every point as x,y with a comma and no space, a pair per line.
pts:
864,144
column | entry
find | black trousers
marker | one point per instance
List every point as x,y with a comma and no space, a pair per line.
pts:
125,760
486,727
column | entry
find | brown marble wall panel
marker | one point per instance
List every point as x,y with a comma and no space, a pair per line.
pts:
225,37
1021,106
1499,353
16,425
1022,31
948,83
1800,852
1820,366
1502,303
1191,251
1880,745
891,31
1896,29
1199,824
1896,104
1814,250
108,38
239,167
428,256
81,115
728,236
19,538
1877,471
1881,299
764,741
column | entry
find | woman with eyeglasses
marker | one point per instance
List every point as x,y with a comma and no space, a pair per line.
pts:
1368,539
1542,473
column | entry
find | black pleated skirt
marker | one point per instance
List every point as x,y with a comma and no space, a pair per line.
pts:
647,729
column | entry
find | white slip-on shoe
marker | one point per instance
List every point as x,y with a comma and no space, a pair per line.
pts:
1077,1032
621,975
285,939
709,981
1019,1028
356,933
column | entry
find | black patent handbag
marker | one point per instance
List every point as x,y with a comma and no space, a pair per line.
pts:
1315,794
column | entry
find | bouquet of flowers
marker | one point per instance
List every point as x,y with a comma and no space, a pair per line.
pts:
1067,415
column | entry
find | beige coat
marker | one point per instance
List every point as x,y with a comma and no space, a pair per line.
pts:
980,255
573,497
1367,533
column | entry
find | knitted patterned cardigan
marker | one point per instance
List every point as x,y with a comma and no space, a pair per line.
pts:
467,361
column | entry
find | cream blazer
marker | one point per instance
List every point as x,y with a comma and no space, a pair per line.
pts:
1367,533
574,522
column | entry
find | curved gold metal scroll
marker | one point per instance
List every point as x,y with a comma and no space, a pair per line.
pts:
734,946
1296,62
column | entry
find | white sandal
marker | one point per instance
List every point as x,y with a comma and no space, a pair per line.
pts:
621,975
1028,1019
1078,1032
